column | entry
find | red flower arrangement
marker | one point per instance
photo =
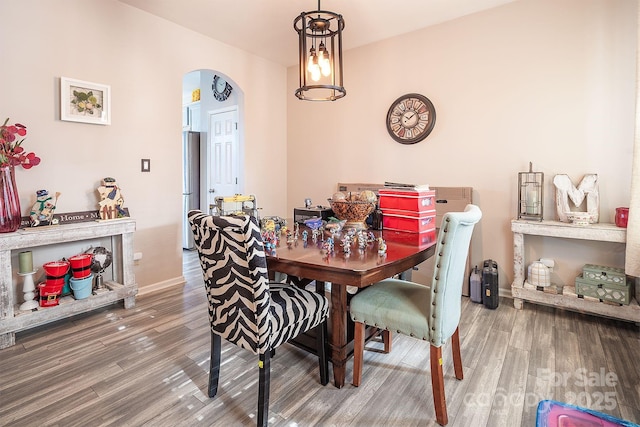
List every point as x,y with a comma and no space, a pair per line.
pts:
11,151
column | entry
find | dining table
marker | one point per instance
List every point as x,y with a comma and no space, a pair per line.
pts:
347,266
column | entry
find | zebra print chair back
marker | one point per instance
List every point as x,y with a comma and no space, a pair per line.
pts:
244,307
234,266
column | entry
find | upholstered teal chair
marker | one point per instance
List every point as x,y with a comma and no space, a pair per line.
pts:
245,308
427,313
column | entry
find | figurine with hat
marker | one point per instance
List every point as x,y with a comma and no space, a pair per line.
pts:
111,200
43,209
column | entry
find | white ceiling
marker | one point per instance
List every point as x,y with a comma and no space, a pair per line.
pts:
265,27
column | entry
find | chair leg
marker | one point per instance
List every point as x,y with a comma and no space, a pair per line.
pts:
214,365
358,353
321,348
457,358
263,389
437,384
386,339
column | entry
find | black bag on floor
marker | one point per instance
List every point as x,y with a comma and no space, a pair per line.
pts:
490,284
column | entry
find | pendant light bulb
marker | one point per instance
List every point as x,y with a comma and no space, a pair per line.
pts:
315,73
313,66
323,60
312,59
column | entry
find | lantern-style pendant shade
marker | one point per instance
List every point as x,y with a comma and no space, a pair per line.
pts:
530,194
320,55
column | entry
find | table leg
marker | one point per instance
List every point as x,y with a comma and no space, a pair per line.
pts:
338,338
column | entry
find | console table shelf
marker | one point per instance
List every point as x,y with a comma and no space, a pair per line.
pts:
123,287
595,232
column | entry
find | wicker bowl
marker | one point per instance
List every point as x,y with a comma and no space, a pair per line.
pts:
355,212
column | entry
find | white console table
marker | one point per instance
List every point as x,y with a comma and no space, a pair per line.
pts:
597,232
123,287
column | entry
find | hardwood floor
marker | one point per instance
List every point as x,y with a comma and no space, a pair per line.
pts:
148,366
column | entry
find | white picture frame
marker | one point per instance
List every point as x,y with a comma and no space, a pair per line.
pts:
85,102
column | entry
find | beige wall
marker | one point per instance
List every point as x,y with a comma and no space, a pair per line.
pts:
144,59
543,81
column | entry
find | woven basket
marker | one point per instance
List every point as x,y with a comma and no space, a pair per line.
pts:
355,212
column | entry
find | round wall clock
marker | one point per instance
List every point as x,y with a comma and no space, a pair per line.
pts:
411,118
221,89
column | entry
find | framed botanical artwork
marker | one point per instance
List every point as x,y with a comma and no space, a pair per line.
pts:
85,102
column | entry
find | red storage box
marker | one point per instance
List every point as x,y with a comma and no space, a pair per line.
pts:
404,200
414,222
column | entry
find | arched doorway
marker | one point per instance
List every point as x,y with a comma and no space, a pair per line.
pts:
212,143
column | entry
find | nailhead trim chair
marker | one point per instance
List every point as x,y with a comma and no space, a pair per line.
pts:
244,307
427,313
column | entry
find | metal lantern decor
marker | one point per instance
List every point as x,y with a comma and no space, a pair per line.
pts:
320,55
530,194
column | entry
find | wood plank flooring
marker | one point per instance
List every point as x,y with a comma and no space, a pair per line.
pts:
148,366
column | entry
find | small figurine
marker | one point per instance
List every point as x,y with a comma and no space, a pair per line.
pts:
272,237
111,200
328,246
42,210
382,246
269,238
346,246
270,225
305,236
362,241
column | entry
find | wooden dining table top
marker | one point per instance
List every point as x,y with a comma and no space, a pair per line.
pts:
359,268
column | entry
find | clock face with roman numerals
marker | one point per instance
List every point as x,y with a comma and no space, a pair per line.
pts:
411,118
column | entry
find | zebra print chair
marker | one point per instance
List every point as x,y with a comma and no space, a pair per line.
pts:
244,307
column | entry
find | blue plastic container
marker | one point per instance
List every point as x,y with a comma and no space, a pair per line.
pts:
66,289
81,287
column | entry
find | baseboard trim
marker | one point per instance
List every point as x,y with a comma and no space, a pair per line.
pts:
159,286
502,292
506,293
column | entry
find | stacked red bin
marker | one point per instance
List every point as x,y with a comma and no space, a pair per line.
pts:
51,288
408,210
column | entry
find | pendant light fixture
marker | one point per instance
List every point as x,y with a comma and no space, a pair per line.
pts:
320,55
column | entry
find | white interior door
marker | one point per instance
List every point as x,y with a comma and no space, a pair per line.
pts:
223,154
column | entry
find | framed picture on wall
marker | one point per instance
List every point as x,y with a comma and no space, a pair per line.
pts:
85,102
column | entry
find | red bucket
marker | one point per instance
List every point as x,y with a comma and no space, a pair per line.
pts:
81,265
56,269
55,281
49,294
